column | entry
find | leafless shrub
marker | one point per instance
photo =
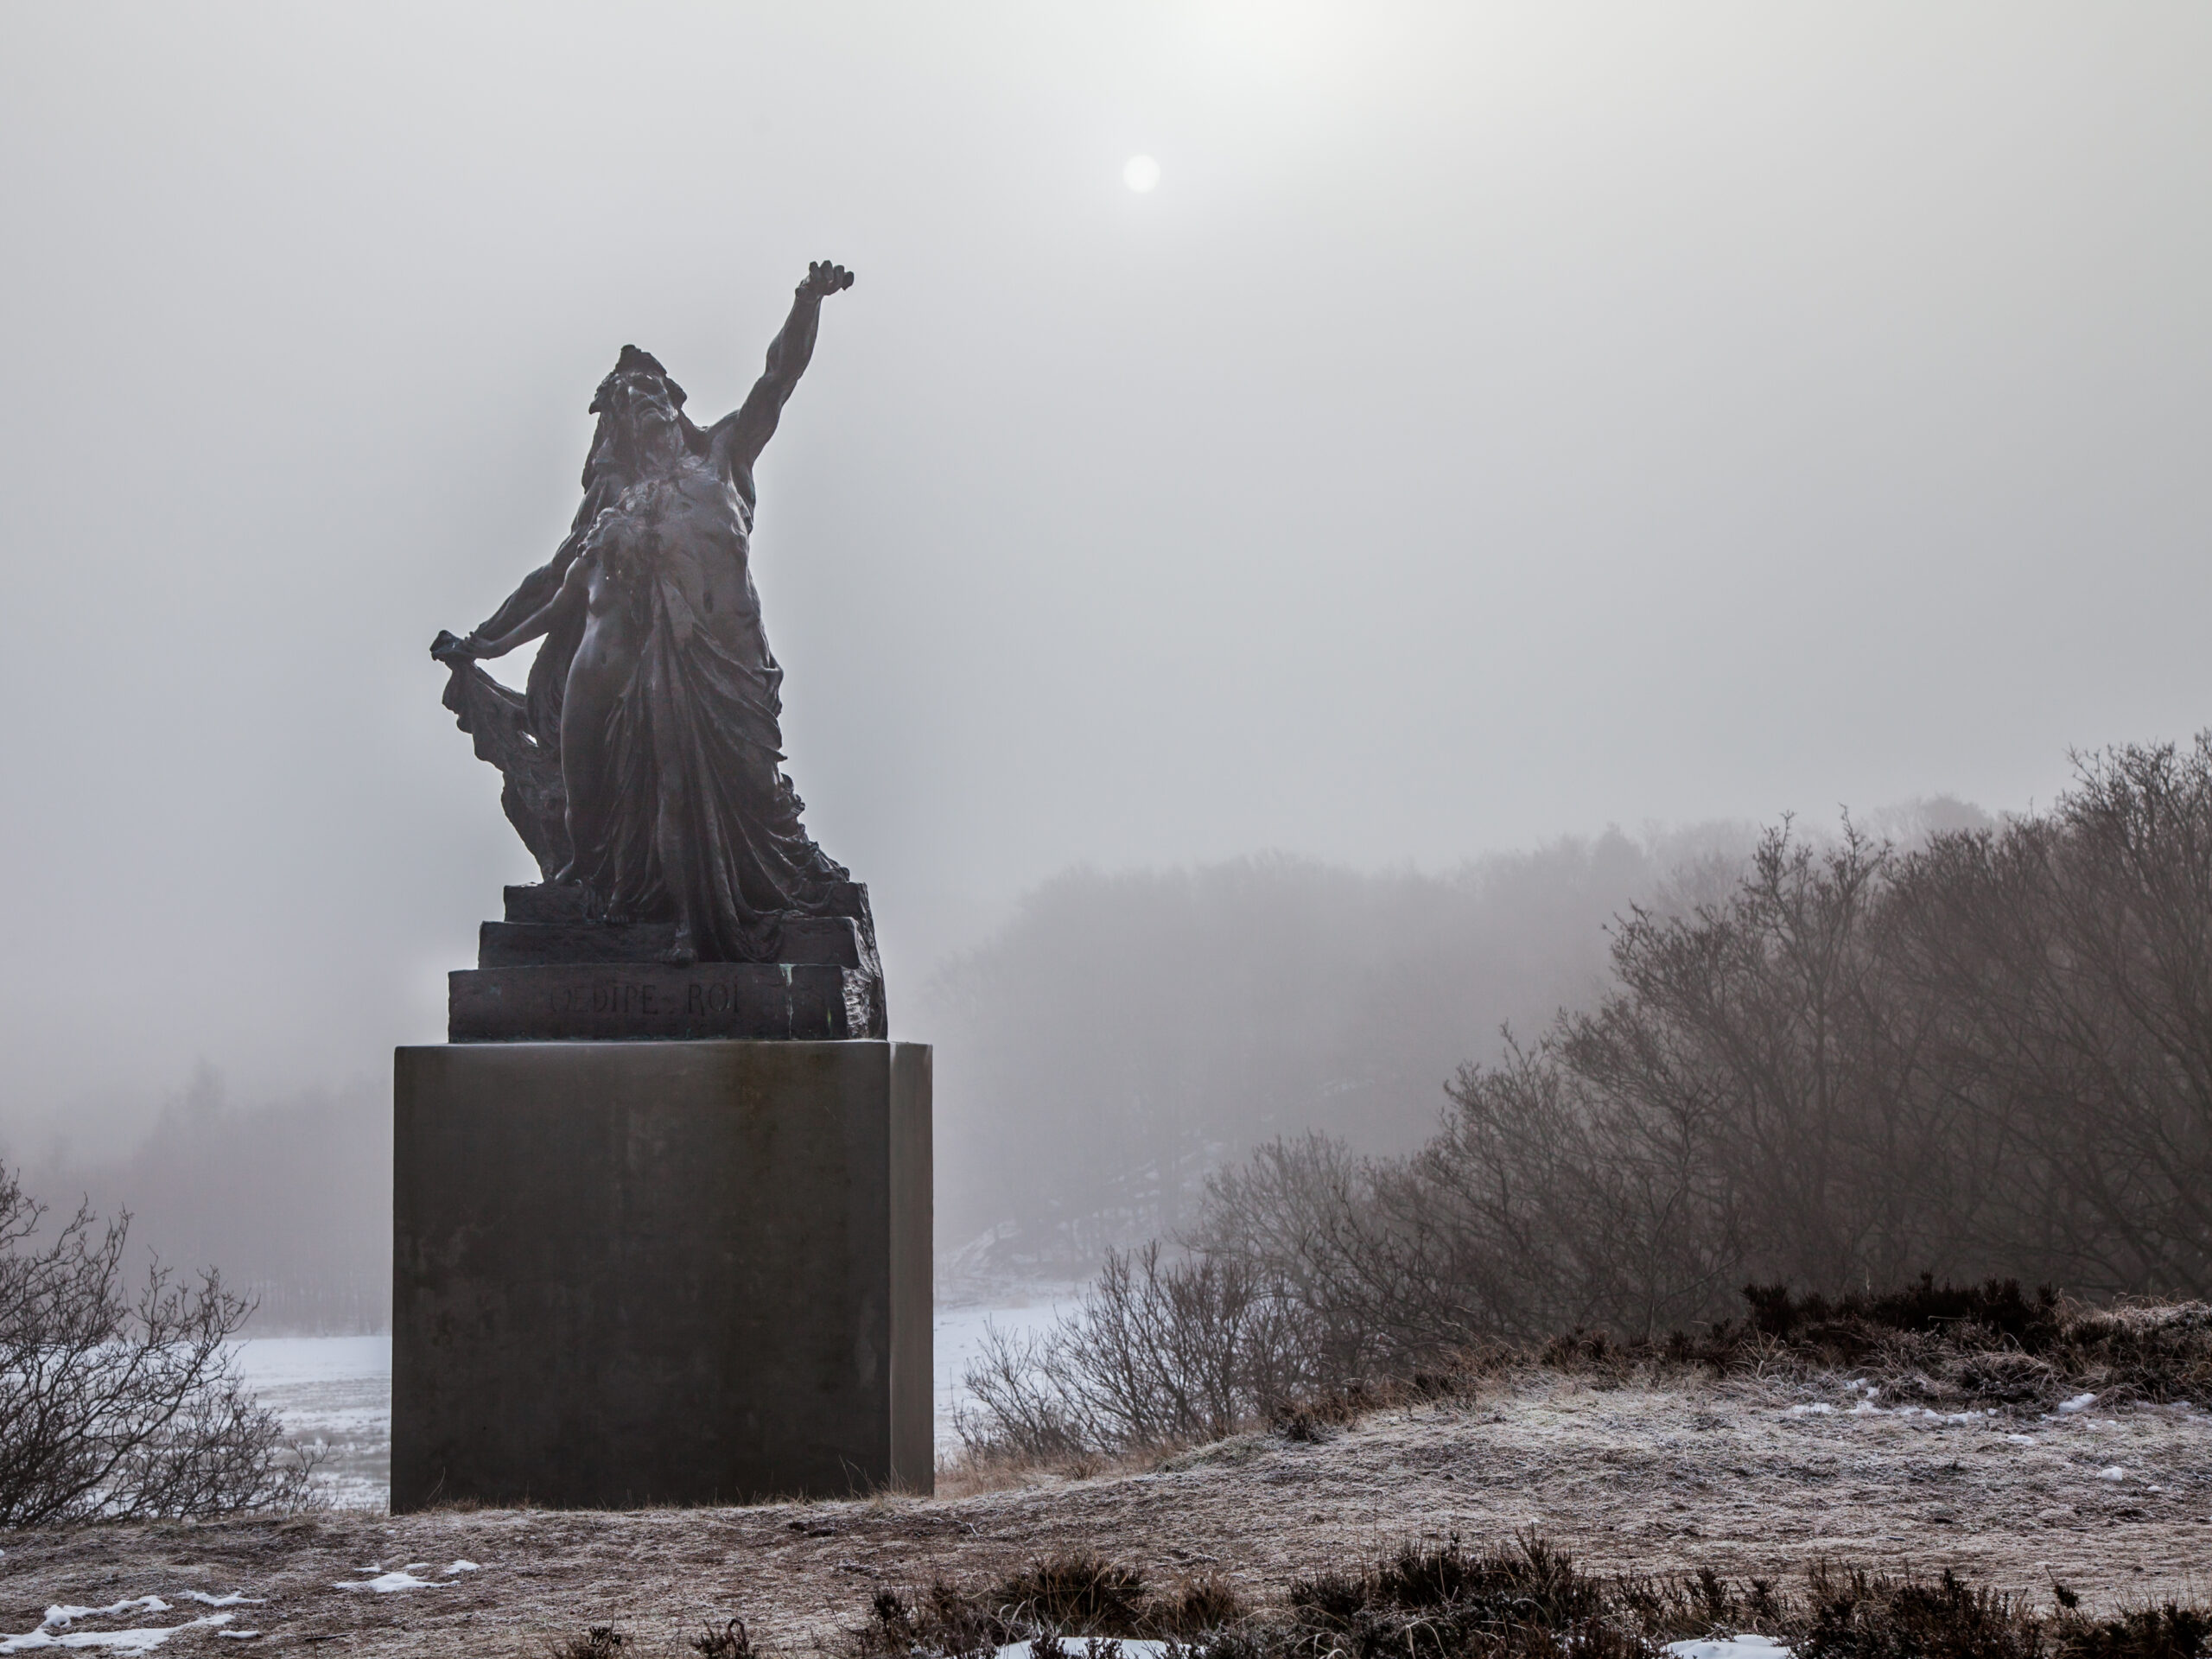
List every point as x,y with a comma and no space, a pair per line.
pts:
730,1641
1524,1598
1074,1594
1624,1174
599,1642
1204,1605
1162,1351
120,1406
2072,957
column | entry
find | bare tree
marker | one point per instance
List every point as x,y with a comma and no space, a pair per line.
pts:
2071,958
115,1405
1163,1352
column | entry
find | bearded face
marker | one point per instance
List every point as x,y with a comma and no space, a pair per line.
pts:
647,413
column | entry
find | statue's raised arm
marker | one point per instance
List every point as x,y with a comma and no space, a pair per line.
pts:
739,436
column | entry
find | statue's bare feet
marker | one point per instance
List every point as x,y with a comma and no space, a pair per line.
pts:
683,953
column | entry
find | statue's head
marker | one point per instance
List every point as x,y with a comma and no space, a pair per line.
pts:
640,409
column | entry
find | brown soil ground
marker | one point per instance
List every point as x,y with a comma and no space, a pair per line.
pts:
1631,1478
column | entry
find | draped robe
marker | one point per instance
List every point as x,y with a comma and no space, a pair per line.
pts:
697,808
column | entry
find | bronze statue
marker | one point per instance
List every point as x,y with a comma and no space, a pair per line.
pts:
643,764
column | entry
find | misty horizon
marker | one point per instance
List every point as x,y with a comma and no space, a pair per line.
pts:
1491,427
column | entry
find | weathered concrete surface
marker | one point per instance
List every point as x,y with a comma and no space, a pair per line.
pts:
660,1273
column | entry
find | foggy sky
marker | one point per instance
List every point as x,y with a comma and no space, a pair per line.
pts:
1499,422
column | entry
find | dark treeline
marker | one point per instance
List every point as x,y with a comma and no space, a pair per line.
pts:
292,1200
1127,1034
1986,1054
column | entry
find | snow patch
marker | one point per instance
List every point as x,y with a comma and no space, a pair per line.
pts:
462,1566
1730,1647
1091,1648
1866,1408
234,1599
384,1583
2078,1402
54,1629
60,1618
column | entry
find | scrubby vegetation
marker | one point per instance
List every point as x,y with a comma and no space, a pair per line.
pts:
1170,1353
1987,1057
1936,1344
1990,1056
1059,1596
1521,1599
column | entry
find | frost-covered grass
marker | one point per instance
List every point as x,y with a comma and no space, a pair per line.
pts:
1651,1475
1151,1360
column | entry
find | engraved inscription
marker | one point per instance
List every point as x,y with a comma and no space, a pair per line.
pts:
713,1001
719,997
609,996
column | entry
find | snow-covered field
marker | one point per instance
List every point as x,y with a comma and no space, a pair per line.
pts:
960,1335
338,1390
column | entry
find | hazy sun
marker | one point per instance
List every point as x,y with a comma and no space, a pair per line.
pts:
1141,173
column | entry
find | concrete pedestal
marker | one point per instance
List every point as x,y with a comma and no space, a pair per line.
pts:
631,1273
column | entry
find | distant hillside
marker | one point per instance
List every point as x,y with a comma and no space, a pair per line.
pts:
1126,1033
292,1200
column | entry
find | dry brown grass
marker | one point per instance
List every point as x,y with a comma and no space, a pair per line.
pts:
1631,1478
972,1471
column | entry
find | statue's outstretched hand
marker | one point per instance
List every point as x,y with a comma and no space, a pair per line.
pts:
823,279
449,647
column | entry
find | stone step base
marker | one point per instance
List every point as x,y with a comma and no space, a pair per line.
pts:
546,905
617,1002
823,941
543,903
